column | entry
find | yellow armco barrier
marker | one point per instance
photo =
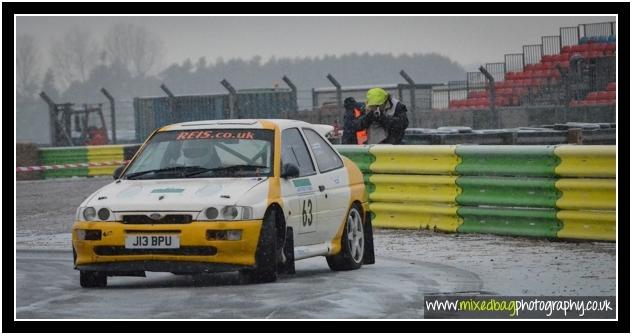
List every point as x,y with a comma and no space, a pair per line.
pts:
412,188
579,193
586,161
587,225
414,159
415,216
103,153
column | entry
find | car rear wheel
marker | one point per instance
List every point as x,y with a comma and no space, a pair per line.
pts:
93,279
352,243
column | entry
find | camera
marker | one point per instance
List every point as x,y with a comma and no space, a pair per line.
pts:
377,112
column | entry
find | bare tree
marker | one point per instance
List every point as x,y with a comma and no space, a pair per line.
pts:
134,46
75,55
26,67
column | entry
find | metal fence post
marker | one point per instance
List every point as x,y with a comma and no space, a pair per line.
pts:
294,93
112,112
232,99
315,105
172,102
492,96
412,85
338,97
53,118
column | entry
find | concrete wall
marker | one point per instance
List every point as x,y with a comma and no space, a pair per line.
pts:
511,117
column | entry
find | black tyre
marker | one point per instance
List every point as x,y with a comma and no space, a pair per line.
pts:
352,243
93,279
266,256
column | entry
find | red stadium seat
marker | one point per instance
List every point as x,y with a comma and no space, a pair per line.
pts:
611,95
610,47
566,49
593,47
611,86
602,95
592,96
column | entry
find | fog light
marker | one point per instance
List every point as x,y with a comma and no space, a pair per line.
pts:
233,235
88,234
223,235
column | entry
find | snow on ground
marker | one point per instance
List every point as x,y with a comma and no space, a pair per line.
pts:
506,265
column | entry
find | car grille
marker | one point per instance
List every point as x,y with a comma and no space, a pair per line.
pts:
183,251
167,219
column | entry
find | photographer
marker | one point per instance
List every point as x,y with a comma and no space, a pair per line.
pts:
385,118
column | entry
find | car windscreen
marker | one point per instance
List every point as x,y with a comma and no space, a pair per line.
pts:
208,153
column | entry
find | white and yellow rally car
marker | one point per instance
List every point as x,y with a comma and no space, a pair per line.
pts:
213,196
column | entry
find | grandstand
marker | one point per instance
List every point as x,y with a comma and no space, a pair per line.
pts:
575,69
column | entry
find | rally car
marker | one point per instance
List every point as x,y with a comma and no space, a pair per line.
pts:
233,195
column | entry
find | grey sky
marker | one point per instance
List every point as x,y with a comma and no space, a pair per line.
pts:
467,40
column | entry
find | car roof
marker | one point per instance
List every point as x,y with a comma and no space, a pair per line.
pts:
247,124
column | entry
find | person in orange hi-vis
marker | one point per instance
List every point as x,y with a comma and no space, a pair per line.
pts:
353,132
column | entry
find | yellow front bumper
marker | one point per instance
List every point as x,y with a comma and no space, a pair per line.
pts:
241,253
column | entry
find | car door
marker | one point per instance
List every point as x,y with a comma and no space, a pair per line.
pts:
300,193
333,186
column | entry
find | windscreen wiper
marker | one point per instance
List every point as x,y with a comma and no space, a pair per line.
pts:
226,168
169,169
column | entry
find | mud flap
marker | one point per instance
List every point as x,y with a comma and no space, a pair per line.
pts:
288,252
369,251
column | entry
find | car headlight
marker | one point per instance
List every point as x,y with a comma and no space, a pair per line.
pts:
230,212
103,214
211,213
89,213
94,214
226,213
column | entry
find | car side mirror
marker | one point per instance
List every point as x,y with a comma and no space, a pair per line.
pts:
118,171
289,171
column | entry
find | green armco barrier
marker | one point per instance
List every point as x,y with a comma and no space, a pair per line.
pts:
370,187
359,154
499,160
51,156
508,191
515,222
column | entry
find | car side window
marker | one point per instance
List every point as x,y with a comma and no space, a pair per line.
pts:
294,150
325,156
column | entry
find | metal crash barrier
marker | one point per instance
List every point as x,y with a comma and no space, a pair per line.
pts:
561,191
556,191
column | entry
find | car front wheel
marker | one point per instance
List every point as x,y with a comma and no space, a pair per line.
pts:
93,279
266,257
